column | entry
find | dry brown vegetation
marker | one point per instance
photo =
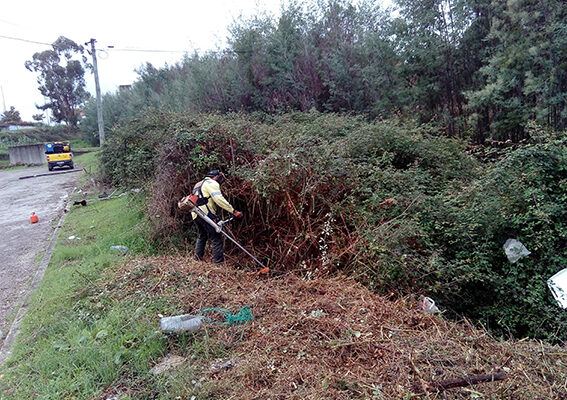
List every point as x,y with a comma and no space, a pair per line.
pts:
331,338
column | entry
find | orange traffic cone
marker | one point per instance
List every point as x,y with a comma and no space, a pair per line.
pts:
33,218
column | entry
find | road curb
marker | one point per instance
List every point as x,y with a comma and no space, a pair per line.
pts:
49,174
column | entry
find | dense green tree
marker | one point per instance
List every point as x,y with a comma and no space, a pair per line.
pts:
61,79
250,44
11,115
291,80
477,68
525,75
474,49
335,36
315,57
380,75
114,108
546,82
428,37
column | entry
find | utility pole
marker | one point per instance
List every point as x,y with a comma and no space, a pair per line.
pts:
3,101
98,97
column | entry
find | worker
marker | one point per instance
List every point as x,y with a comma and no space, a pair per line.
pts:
209,188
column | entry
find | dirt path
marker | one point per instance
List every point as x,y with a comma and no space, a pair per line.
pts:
22,244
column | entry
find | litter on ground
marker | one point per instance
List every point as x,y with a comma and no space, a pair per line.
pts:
330,337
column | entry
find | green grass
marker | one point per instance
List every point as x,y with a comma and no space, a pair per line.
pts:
88,161
82,334
79,144
74,340
80,337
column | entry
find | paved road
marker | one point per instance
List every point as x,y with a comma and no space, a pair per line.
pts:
21,241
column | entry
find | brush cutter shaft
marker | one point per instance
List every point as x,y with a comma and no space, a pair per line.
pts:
243,249
218,229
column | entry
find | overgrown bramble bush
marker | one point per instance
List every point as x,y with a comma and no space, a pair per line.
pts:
399,207
310,184
522,197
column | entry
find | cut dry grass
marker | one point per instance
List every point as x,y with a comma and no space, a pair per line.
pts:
330,338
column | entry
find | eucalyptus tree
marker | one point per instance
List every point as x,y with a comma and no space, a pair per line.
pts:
292,82
331,55
61,79
249,45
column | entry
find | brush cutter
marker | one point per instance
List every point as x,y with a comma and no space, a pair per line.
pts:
218,228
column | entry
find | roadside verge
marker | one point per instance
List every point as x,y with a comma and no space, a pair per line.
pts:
14,329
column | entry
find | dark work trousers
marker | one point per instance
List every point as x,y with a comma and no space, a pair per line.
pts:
206,231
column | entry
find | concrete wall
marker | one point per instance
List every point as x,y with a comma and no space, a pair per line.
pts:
30,154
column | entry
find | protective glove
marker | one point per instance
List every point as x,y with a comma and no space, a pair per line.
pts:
237,214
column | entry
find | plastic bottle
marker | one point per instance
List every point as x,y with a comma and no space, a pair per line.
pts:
119,249
182,323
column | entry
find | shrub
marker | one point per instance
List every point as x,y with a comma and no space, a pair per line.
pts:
523,197
310,184
398,207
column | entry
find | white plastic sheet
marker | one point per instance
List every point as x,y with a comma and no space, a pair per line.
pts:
558,286
515,250
427,304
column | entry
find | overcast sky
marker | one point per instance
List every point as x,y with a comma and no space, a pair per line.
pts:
176,26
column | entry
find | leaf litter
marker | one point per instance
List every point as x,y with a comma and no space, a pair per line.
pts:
331,338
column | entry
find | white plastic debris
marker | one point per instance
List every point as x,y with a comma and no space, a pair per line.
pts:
221,365
515,250
427,304
182,323
119,249
558,286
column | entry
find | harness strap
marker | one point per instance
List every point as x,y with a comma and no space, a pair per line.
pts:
197,189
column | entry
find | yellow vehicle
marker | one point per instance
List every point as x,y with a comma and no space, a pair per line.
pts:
58,155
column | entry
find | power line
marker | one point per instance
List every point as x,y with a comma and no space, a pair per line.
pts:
149,51
24,40
109,47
